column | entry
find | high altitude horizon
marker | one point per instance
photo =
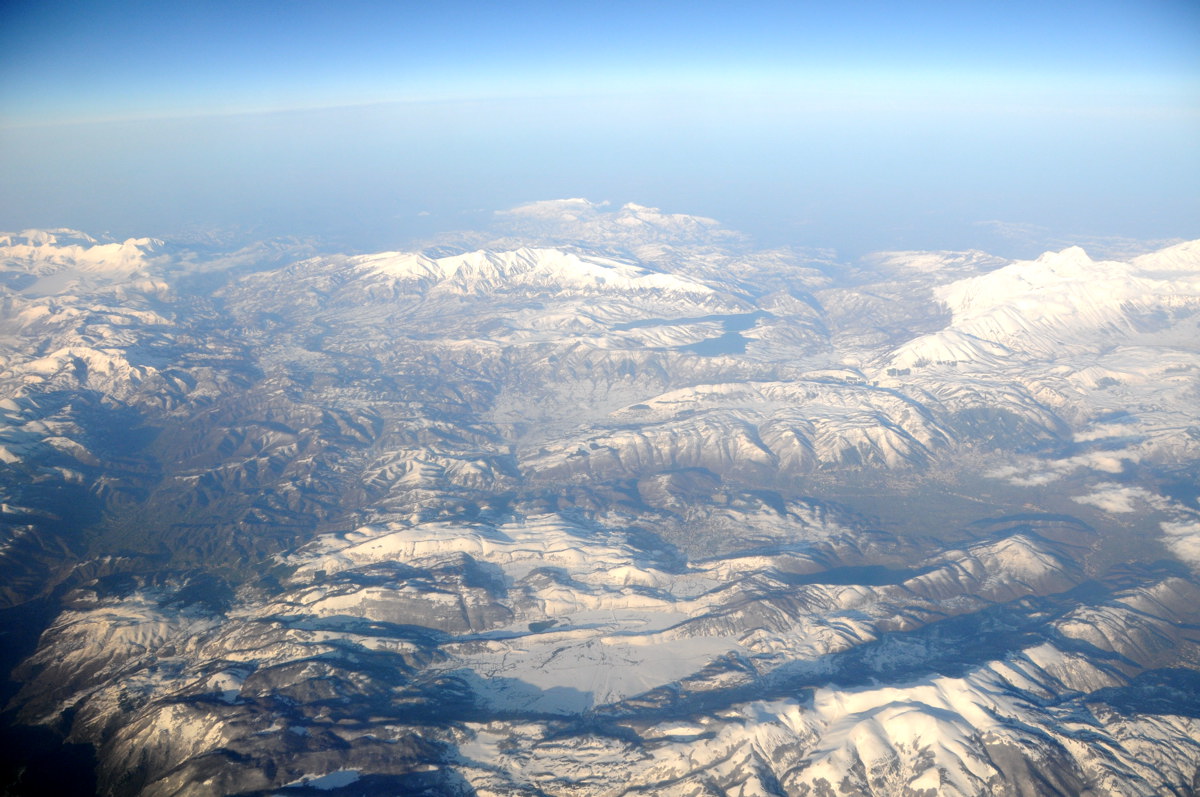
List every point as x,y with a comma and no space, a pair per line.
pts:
616,397
856,126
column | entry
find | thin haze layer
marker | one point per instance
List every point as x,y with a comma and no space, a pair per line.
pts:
868,126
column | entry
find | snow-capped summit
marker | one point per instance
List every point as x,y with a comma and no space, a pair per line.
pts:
529,270
1036,305
45,252
596,223
618,507
1183,257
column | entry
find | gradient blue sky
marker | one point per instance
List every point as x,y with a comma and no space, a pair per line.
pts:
851,124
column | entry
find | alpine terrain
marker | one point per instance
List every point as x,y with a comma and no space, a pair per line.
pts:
597,501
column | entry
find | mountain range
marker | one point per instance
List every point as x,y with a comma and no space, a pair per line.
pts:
598,501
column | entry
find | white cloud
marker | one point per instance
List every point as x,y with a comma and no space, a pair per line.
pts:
1034,472
1183,538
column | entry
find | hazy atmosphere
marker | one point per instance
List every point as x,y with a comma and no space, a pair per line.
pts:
601,399
857,126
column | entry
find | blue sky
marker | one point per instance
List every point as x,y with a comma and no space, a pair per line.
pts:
850,124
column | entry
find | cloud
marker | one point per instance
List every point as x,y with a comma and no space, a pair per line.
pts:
1035,472
1183,538
1121,499
1181,529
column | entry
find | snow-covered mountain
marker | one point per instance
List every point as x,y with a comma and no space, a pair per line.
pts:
601,501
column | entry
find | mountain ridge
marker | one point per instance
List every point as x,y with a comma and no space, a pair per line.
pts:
632,507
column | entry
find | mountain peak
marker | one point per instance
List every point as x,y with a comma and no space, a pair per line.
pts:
1073,256
582,221
57,250
525,269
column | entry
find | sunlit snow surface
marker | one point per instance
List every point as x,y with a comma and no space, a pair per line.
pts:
605,501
